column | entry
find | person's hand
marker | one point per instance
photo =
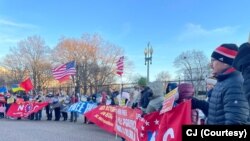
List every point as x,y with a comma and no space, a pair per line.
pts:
194,116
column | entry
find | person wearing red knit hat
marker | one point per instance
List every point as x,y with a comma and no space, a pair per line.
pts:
227,104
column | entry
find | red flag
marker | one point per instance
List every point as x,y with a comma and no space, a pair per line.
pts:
172,121
167,126
120,66
62,73
26,85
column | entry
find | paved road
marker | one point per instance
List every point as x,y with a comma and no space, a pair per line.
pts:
26,130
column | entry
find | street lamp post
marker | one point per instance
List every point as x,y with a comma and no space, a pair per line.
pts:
249,38
148,58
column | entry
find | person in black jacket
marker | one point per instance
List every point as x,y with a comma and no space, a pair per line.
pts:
227,104
48,108
146,93
242,64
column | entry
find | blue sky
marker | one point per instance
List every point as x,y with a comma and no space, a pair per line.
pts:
171,26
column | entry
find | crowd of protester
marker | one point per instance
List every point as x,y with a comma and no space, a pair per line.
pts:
56,109
227,102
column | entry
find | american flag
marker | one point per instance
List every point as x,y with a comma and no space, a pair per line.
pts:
120,66
64,70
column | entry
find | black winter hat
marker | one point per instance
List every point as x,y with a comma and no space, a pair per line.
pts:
243,57
225,53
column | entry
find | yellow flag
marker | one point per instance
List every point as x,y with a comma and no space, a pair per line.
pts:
17,89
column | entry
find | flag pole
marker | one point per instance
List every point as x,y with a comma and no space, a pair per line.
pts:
121,87
119,71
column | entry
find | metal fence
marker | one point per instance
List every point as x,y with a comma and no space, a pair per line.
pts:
200,88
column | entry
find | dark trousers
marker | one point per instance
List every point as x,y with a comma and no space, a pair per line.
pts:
31,116
57,113
7,107
65,116
38,115
73,116
48,112
1,115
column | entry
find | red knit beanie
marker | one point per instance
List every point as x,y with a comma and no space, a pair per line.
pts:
225,53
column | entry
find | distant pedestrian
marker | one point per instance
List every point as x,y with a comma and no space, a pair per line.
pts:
73,115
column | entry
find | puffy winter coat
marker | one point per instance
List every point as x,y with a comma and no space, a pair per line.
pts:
228,104
246,86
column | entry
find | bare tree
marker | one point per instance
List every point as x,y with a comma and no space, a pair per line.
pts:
163,76
29,59
14,64
95,59
193,67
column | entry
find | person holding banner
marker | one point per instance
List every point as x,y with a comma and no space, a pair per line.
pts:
39,98
186,91
145,94
104,97
73,115
48,108
56,106
135,97
9,100
65,103
2,107
31,98
156,98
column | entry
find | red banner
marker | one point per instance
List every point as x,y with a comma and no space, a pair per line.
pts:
167,126
126,123
170,126
103,116
25,109
154,126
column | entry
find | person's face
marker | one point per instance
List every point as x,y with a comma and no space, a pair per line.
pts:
217,66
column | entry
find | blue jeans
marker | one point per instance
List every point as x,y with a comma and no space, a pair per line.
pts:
73,116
